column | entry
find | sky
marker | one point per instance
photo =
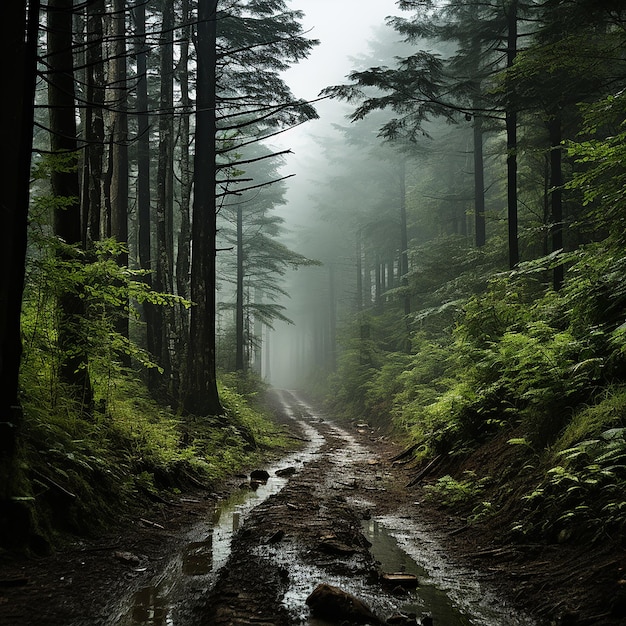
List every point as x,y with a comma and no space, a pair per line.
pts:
343,28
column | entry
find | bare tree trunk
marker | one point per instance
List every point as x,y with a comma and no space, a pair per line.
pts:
73,368
94,123
184,236
202,397
163,278
239,330
556,194
404,238
143,169
18,43
479,184
359,271
119,164
511,142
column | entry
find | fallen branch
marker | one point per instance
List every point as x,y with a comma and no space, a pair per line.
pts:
147,522
56,485
425,471
408,452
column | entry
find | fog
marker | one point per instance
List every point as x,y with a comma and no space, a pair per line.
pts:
346,30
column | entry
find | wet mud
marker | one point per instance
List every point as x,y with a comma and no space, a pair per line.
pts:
336,512
318,519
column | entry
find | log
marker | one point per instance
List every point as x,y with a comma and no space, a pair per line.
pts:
406,452
425,471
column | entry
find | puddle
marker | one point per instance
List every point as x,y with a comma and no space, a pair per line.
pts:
194,571
452,596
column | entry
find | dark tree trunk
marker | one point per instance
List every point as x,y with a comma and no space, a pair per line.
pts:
18,31
556,195
163,276
359,271
404,239
202,397
119,151
143,170
511,141
94,123
239,330
479,184
184,236
67,221
332,318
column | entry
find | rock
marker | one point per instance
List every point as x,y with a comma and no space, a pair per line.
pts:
334,604
401,579
333,545
286,471
127,557
259,475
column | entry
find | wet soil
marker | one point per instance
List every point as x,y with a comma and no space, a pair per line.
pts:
315,522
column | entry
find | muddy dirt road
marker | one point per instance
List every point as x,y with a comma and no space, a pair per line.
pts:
335,512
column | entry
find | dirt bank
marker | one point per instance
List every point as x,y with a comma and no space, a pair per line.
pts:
315,522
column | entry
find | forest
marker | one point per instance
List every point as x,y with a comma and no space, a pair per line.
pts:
456,278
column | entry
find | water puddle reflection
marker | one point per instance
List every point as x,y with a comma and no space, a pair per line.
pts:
194,571
450,595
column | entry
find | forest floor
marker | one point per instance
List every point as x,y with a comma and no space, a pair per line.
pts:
314,521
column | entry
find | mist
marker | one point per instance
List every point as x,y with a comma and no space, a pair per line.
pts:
345,187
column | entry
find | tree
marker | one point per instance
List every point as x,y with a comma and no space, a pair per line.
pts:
19,32
241,51
201,396
64,183
572,59
93,177
118,148
260,260
424,85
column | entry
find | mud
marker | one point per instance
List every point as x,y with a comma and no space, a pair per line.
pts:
315,525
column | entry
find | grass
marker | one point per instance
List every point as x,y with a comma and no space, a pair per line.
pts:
79,474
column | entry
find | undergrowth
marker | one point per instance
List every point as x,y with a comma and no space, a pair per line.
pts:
80,472
518,357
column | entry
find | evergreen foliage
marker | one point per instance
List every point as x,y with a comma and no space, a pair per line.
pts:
533,354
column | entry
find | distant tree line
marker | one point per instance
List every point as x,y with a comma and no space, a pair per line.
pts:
474,105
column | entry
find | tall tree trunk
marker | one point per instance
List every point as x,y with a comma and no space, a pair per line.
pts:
119,164
479,184
163,277
556,194
94,123
143,171
18,42
404,238
73,368
257,358
511,141
202,397
239,330
359,271
184,235
332,318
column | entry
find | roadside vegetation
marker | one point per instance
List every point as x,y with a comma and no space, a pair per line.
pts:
79,473
535,377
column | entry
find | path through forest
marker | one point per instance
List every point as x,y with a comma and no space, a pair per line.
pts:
340,518
337,512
